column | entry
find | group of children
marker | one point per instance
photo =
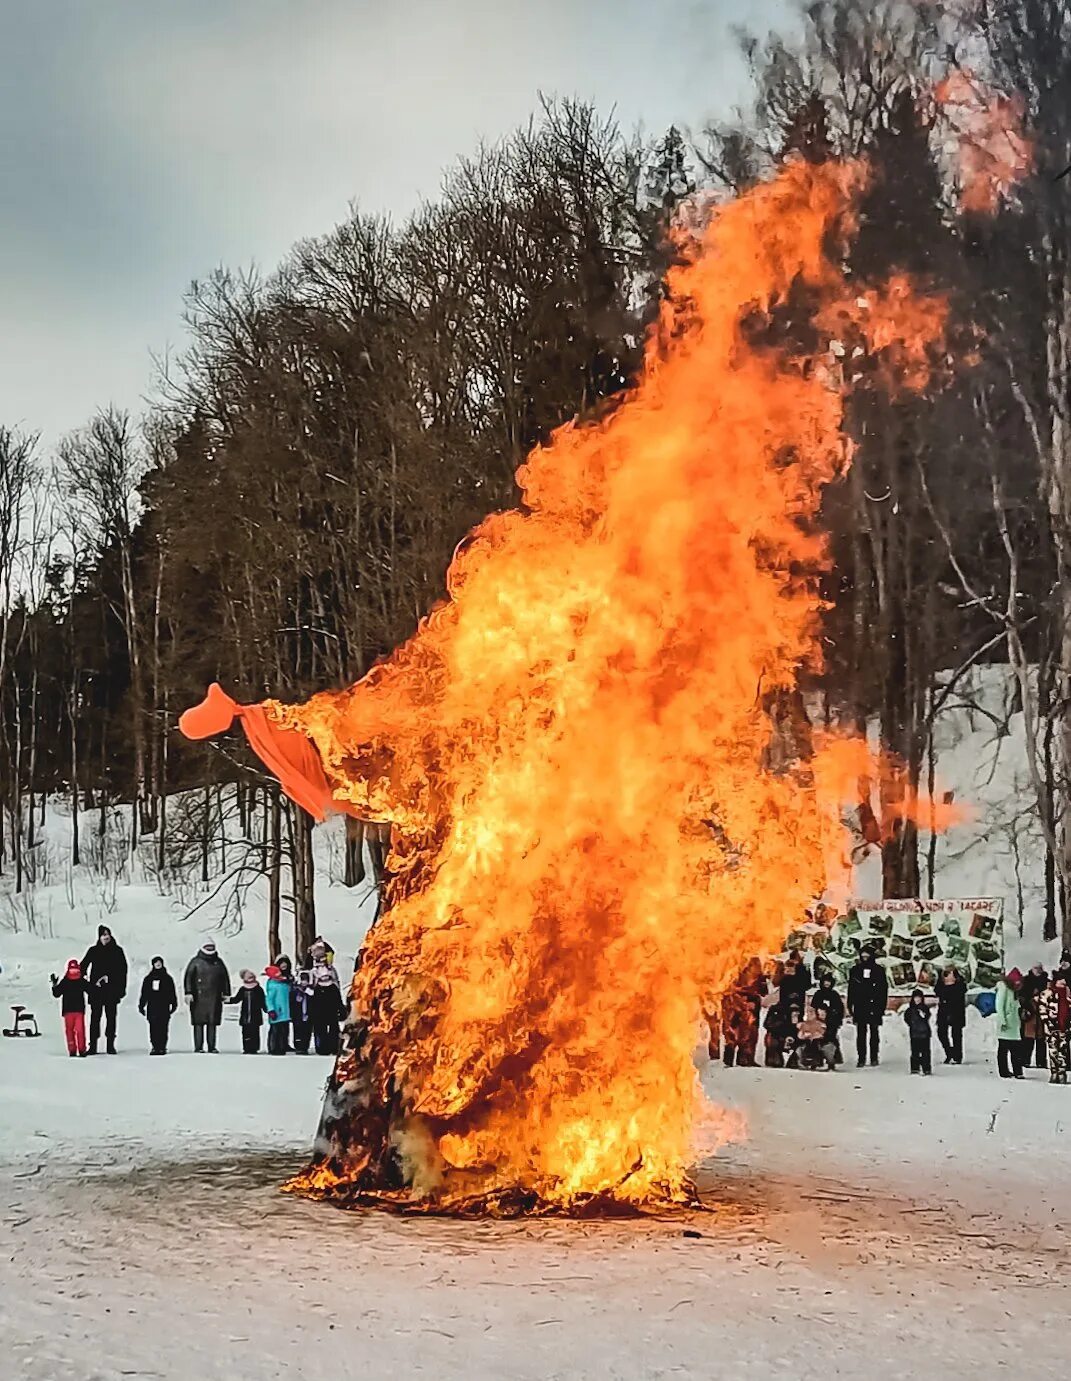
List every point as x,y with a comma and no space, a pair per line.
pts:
302,1010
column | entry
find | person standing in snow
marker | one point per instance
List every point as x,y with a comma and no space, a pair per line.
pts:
1055,1009
795,980
1009,1026
782,1025
868,996
740,1009
951,994
1033,1047
157,1004
104,967
277,997
207,985
301,1011
253,1010
917,1019
72,991
829,1005
326,1008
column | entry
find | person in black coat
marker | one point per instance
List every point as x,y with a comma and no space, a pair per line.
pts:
1033,1047
951,994
868,996
104,967
158,1003
795,981
253,1011
917,1018
782,1023
829,1005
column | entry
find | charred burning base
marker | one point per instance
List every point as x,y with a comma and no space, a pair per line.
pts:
373,1154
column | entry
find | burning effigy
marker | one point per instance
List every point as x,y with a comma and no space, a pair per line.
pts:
596,813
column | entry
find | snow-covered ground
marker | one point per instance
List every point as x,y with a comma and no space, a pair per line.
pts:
871,1224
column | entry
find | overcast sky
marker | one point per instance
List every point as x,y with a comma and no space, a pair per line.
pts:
143,142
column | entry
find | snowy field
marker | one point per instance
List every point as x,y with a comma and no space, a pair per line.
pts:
870,1224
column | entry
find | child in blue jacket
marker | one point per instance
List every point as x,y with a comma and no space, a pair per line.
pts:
277,997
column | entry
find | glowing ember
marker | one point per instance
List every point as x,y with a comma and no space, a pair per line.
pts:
598,813
992,150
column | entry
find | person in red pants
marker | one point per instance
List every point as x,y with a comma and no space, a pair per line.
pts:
71,990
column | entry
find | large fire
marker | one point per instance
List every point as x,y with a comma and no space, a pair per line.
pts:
601,800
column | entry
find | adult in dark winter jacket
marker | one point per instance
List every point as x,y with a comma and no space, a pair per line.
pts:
207,984
253,1008
72,991
740,1008
795,980
917,1019
829,1005
1030,990
104,969
782,1025
157,1004
951,994
868,995
326,1008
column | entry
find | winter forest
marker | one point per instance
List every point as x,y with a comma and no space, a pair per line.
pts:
284,511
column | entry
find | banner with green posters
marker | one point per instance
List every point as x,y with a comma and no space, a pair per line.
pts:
914,940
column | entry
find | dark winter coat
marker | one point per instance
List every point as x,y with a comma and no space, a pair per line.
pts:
326,1004
253,1007
207,983
868,992
780,1026
158,996
795,986
72,993
951,1003
104,967
830,1007
918,1021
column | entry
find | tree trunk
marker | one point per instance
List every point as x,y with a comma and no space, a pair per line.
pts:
354,873
275,857
206,834
301,868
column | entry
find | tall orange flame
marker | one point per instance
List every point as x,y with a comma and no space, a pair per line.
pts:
596,817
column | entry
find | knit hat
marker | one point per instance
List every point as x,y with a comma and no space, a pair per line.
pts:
1014,978
209,947
248,977
74,968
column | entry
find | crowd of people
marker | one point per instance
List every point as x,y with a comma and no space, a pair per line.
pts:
803,1024
302,1010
